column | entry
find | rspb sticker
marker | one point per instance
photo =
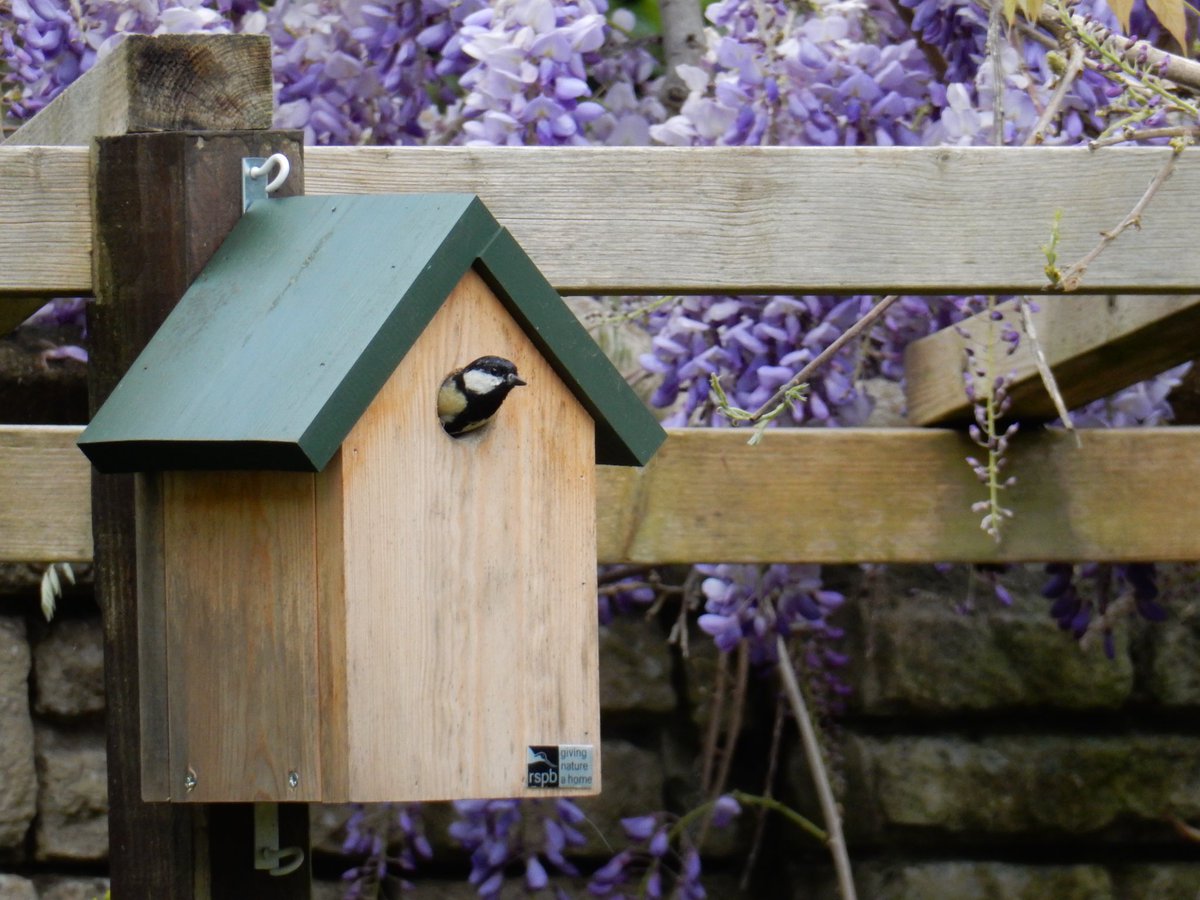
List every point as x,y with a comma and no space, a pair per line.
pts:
559,766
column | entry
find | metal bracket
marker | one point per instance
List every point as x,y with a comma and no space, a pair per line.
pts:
267,854
255,183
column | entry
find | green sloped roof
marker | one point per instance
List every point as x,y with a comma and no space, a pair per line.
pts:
304,312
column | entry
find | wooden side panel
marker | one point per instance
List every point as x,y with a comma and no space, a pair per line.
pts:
331,631
153,709
470,604
242,642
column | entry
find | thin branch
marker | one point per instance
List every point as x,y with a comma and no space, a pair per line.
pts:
708,755
1145,134
994,51
816,764
1073,275
1043,367
1074,67
1179,69
760,826
823,357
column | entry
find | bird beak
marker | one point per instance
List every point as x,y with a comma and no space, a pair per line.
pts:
515,381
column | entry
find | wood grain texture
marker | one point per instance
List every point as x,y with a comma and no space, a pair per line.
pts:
1095,345
45,222
43,496
162,204
241,602
331,630
153,708
166,82
850,495
901,495
478,554
736,220
806,219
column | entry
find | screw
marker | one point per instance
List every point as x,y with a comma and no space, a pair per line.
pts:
293,779
189,780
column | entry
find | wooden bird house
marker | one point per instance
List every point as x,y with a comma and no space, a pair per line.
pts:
337,599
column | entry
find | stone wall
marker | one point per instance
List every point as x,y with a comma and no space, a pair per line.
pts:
983,755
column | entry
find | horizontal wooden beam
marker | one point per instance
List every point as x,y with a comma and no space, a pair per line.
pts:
45,223
45,495
165,82
1095,346
920,220
804,495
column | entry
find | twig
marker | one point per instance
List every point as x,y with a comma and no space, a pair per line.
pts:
1073,275
1043,367
823,357
760,826
708,755
1179,69
734,727
1185,831
816,764
1074,67
994,51
1130,133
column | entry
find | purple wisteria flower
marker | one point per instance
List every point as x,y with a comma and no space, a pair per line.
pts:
391,838
661,859
532,834
1086,598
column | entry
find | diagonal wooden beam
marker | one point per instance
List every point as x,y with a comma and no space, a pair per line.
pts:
804,495
1095,346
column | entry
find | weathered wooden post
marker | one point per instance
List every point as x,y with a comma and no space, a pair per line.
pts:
171,118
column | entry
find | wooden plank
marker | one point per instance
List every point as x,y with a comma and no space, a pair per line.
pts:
225,78
42,487
807,219
45,223
854,495
241,635
736,220
484,548
902,495
1095,345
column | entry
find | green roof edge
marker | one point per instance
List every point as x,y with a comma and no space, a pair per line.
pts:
473,231
627,434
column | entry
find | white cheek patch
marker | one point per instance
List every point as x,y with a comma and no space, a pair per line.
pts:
478,382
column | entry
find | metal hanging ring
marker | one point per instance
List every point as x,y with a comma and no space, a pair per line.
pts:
274,161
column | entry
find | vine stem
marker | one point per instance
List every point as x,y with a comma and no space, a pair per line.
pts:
1073,275
823,357
816,764
1074,67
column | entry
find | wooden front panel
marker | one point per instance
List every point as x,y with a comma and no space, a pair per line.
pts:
470,573
240,601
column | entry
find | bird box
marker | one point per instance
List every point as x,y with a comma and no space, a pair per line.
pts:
337,599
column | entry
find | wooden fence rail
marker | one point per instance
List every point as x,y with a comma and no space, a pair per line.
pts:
804,495
914,220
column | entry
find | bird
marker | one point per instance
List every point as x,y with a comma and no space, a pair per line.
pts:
471,396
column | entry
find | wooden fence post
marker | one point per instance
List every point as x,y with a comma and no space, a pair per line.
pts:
171,118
